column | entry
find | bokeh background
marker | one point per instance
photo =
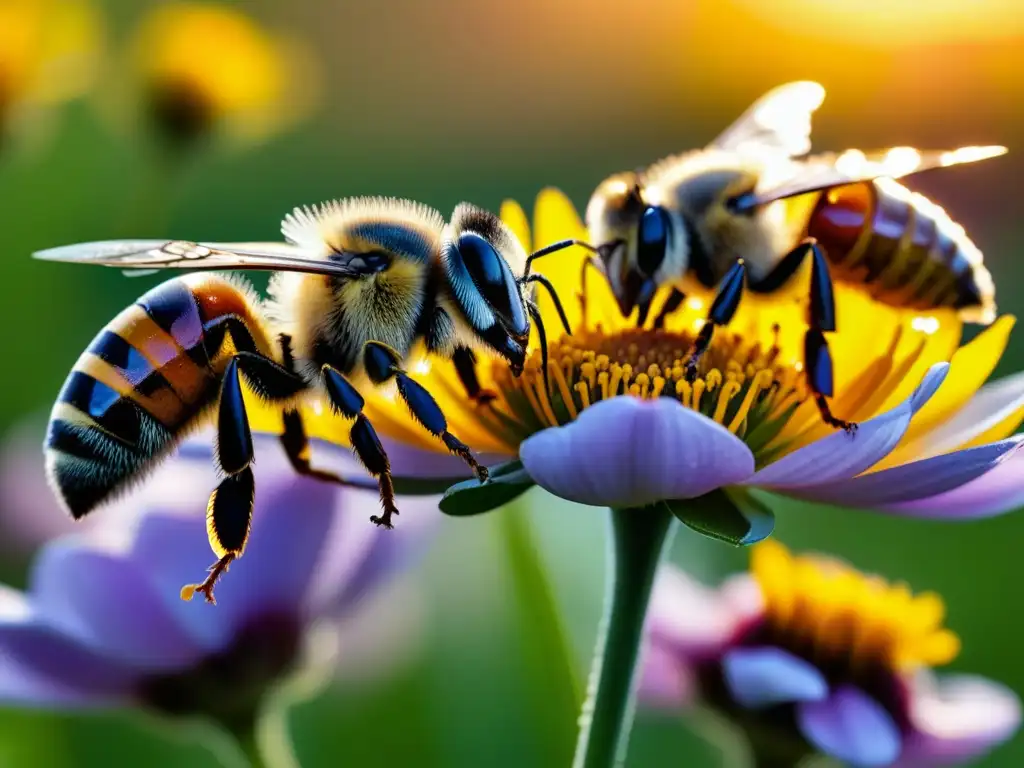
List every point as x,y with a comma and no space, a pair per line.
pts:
458,99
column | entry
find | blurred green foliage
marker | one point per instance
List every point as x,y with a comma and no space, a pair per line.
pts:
414,119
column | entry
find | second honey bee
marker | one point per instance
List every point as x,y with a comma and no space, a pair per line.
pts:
748,210
358,283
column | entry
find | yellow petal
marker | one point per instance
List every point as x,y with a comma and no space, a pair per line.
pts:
969,368
939,346
1000,431
554,219
515,219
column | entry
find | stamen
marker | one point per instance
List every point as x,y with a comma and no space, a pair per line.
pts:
739,384
559,378
852,621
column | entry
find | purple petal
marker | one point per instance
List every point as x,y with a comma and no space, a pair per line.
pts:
38,652
852,727
291,521
991,405
916,480
175,551
766,676
20,687
363,555
23,686
997,491
29,508
956,719
697,622
628,452
666,681
108,603
840,455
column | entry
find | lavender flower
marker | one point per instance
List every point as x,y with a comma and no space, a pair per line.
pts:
807,654
101,623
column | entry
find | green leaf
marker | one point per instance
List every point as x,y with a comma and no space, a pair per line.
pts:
471,497
733,516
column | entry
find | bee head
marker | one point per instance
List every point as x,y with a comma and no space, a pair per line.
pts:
487,296
636,240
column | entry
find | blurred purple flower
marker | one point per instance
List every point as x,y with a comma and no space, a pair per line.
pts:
102,624
807,654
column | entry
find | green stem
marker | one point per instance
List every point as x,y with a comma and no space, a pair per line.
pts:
265,742
638,539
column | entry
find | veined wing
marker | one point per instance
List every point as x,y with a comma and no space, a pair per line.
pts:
824,171
778,122
151,255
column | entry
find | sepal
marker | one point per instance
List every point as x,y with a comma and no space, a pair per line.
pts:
733,516
471,497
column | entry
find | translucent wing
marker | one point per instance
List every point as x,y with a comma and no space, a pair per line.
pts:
778,122
825,171
147,256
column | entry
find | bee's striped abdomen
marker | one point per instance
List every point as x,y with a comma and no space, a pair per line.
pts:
905,248
145,377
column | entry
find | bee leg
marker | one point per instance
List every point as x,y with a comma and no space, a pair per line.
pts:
723,308
465,366
821,317
672,303
229,511
382,364
348,403
296,447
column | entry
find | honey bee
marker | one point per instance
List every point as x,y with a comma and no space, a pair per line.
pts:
750,207
356,285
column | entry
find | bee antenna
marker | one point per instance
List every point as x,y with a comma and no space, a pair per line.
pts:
560,245
535,314
542,280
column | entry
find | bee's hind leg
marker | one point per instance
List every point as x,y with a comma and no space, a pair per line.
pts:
821,318
382,364
229,511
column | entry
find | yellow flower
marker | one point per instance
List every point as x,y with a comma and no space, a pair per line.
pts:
49,53
839,612
204,68
808,654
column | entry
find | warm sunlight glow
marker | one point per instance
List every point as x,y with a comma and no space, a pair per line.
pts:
896,23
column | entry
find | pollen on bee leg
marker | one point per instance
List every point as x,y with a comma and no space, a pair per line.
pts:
206,587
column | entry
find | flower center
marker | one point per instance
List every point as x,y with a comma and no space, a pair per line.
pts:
742,385
847,623
228,686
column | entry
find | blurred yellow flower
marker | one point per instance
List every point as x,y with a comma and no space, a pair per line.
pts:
49,53
204,68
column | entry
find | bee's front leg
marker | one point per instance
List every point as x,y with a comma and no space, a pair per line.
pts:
465,366
723,308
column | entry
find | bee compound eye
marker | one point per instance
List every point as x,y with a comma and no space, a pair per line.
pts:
652,240
494,280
